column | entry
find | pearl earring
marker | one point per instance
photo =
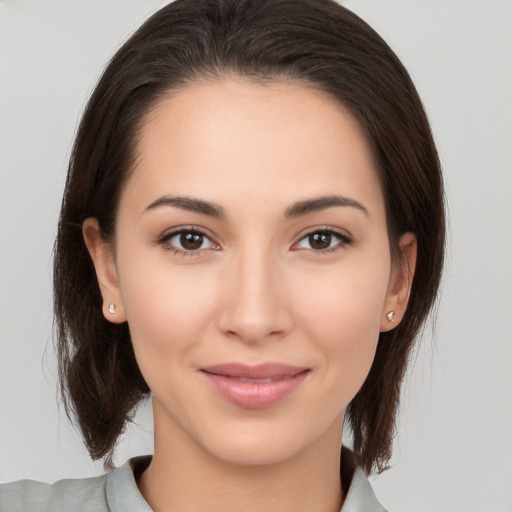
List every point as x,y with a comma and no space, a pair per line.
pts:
112,308
390,316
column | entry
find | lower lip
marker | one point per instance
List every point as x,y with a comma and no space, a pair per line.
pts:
255,395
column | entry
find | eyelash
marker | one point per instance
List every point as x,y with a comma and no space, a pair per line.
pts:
164,240
344,240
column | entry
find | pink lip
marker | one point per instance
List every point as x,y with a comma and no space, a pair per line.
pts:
254,387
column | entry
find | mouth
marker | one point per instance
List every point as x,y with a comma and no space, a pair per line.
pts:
264,381
255,387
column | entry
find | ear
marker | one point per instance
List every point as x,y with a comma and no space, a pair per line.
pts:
102,256
400,282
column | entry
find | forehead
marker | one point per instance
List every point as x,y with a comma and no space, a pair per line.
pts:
278,139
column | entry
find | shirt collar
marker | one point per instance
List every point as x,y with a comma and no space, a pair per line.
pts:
123,494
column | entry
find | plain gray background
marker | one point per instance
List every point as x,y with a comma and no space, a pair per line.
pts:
453,451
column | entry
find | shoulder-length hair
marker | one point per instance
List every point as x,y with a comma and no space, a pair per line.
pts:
317,43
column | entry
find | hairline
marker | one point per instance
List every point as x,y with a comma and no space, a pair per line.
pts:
222,74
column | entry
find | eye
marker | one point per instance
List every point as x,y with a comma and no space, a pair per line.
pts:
323,240
186,241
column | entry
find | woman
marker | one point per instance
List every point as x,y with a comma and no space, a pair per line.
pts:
252,233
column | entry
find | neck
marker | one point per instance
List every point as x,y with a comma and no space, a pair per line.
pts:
182,477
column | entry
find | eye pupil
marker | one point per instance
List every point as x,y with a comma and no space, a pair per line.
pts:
320,240
191,241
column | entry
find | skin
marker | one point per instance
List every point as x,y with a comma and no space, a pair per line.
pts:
257,290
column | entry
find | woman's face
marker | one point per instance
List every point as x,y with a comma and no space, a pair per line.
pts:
252,263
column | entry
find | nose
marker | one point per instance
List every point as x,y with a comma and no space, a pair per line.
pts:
255,305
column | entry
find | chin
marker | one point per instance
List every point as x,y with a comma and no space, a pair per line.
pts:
263,444
257,453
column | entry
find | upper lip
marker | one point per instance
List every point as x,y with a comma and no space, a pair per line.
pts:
259,371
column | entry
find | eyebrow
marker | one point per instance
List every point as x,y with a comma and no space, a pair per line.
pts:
189,204
321,203
296,210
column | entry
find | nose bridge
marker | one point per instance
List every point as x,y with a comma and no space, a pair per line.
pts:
254,305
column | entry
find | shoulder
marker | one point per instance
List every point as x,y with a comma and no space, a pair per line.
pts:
359,493
113,492
360,496
80,495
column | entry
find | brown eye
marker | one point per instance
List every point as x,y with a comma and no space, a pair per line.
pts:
323,239
191,241
320,240
188,241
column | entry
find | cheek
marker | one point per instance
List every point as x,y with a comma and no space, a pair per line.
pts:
342,314
348,301
167,309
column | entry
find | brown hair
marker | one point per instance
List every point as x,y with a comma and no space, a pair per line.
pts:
313,42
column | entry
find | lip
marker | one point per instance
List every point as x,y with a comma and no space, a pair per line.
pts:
254,387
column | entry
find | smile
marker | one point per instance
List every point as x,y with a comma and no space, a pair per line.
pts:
254,387
268,379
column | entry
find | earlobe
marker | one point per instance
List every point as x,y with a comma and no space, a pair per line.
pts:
104,263
400,283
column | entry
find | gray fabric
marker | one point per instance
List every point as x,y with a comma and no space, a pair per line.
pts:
360,496
117,492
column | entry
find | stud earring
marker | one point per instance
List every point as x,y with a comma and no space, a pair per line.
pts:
390,316
112,308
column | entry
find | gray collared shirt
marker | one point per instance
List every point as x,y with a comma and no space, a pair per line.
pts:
117,491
